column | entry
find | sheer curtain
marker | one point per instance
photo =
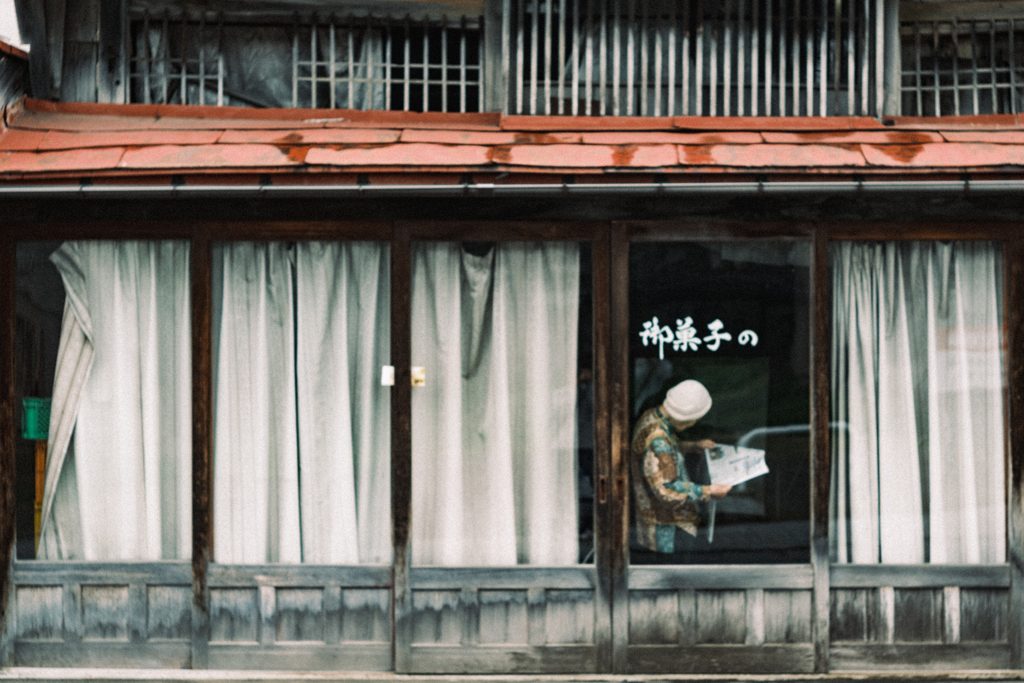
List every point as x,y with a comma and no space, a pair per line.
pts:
494,459
301,423
118,479
918,472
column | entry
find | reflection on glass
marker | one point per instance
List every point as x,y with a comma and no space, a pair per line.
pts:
720,385
114,476
301,467
502,447
918,470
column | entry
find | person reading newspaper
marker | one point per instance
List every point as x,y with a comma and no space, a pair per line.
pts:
665,498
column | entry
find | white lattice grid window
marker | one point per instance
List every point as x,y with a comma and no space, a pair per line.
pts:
425,64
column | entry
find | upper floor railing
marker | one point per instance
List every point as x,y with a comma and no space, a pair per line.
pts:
591,57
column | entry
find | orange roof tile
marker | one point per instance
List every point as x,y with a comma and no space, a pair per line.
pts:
49,141
412,154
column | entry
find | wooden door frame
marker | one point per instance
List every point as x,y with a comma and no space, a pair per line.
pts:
610,243
405,232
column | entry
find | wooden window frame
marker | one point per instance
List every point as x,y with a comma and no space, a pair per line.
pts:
610,242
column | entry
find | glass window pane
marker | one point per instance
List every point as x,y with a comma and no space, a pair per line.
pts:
103,352
502,420
301,466
918,453
719,341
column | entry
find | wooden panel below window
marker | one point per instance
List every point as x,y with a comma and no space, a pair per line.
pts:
660,659
102,615
919,657
503,620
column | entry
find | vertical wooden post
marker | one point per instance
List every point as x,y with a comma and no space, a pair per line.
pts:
617,556
494,77
202,439
7,456
111,53
1015,359
401,445
604,527
820,456
891,54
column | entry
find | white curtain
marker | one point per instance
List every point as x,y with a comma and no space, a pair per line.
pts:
918,470
301,423
118,479
493,455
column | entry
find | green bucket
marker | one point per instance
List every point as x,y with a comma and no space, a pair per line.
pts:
35,418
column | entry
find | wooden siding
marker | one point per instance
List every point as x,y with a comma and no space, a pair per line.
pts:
723,619
300,617
508,620
900,618
78,614
263,617
13,77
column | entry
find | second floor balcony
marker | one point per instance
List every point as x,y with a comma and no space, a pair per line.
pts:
553,57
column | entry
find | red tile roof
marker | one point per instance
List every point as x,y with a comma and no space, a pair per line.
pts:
48,141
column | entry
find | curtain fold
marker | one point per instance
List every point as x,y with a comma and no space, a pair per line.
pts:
494,440
917,390
302,427
118,481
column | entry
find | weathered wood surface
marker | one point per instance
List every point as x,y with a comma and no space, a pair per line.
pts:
581,577
401,443
7,446
201,275
497,659
301,657
718,230
614,554
721,577
919,575
468,629
13,78
299,575
1014,311
716,659
919,657
948,615
604,513
39,572
821,453
105,654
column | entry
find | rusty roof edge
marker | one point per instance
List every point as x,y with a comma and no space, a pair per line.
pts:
523,123
84,191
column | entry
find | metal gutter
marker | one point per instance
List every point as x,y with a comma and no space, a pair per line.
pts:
85,191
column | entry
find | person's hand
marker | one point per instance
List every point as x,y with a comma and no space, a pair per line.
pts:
707,443
718,490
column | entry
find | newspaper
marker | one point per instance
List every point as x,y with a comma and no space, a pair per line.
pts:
730,465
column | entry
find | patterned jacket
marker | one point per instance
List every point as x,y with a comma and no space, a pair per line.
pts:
663,495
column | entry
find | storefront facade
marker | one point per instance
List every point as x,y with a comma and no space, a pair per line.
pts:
370,402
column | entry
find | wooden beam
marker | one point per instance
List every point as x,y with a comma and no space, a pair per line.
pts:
820,456
495,58
112,67
616,484
604,512
401,444
8,530
1015,330
32,26
202,444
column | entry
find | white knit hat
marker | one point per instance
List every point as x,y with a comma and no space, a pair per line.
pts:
687,401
